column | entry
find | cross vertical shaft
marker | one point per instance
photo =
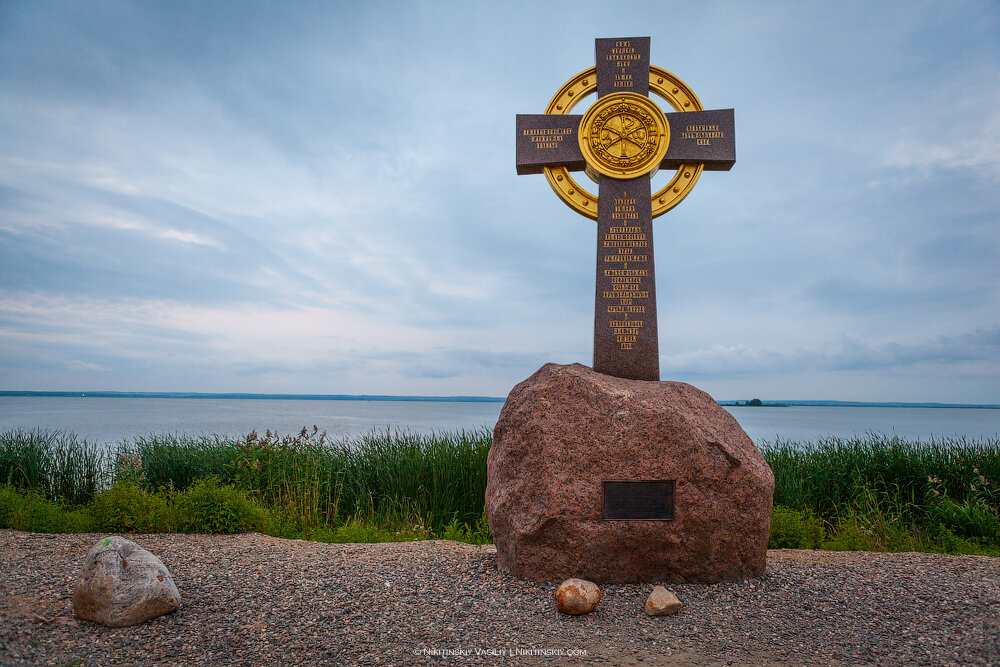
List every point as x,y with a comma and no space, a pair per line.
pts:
625,335
625,340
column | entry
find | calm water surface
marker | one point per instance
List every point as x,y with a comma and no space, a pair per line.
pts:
808,423
111,420
114,419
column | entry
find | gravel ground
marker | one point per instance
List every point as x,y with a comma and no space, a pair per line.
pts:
253,599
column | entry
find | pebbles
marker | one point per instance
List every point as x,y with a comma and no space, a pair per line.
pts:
255,599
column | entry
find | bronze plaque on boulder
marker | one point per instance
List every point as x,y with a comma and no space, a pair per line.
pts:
638,501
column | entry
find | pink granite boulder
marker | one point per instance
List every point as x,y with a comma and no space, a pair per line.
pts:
567,430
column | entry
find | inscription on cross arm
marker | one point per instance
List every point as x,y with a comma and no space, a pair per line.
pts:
620,142
550,140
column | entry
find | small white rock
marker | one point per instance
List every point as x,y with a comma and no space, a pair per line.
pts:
123,584
662,602
577,596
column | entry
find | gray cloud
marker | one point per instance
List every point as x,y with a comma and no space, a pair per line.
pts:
321,198
981,346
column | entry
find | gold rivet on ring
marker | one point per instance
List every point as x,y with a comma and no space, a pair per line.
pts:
558,178
571,191
687,174
662,200
676,190
675,91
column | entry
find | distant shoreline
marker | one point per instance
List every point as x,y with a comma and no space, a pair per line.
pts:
278,397
858,404
454,399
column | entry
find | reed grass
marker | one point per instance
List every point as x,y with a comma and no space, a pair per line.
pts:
877,492
826,476
391,476
883,493
55,463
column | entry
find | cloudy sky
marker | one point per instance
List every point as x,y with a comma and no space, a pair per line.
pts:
321,198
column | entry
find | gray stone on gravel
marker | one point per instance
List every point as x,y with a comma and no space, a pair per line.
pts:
123,584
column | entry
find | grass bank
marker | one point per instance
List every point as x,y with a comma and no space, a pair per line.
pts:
883,493
377,487
874,493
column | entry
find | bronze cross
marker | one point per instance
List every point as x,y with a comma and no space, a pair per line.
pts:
621,142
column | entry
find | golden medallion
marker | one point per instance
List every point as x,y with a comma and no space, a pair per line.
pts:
624,135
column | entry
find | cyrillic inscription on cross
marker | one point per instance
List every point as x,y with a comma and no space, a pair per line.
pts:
620,142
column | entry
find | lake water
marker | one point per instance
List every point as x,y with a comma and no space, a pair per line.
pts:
806,422
110,420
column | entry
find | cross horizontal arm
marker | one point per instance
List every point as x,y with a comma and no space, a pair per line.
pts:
708,137
547,140
550,140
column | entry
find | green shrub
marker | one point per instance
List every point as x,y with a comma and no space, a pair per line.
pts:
125,508
941,540
360,531
211,507
32,511
794,529
476,534
969,518
852,534
858,531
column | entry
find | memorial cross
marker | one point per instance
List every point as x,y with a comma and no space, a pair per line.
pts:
622,140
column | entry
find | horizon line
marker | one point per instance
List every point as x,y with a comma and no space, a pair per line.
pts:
457,399
245,395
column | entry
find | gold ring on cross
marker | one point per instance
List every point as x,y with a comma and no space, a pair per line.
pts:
663,83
